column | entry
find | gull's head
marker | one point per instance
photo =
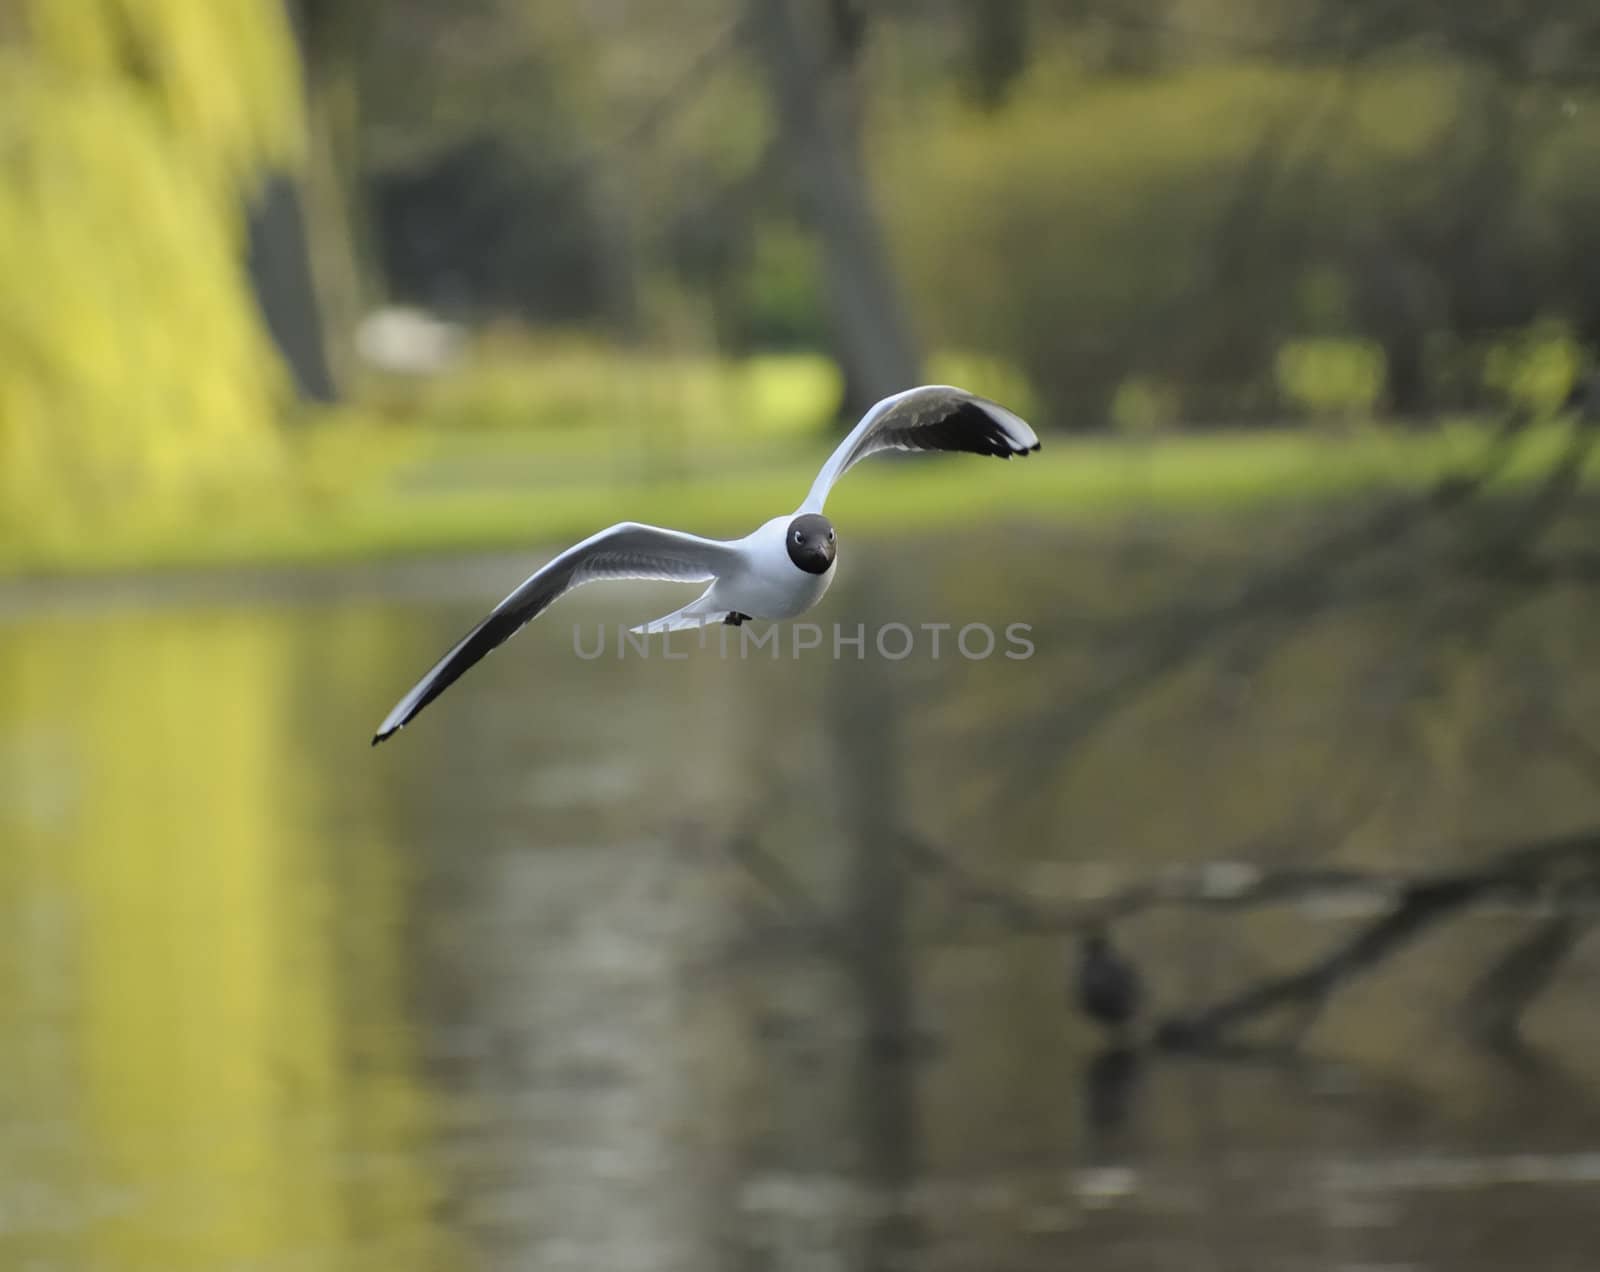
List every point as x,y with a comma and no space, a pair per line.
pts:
810,542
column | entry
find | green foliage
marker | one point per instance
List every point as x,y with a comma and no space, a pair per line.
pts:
1536,368
1170,228
371,485
1323,300
1071,222
596,396
1143,406
992,377
134,374
777,299
1330,377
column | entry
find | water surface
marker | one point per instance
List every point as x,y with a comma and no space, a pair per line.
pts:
615,964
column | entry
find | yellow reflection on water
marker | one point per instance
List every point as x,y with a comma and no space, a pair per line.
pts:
213,1068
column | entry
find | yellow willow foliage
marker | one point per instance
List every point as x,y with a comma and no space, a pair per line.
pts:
135,375
223,74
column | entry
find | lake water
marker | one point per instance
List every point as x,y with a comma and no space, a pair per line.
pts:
620,964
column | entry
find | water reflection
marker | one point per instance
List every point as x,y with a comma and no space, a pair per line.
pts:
500,997
199,1014
1110,1088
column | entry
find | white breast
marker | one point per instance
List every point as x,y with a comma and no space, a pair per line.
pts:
770,585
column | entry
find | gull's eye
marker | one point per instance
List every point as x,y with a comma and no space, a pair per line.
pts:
799,537
830,536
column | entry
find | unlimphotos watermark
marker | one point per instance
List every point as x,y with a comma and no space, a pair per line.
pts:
892,641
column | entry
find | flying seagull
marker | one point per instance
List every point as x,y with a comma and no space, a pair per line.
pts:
780,571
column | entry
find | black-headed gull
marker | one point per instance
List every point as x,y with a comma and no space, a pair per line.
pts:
778,572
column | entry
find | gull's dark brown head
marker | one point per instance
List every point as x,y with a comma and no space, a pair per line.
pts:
810,542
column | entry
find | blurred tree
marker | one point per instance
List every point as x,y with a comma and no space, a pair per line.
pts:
1172,193
805,52
338,274
280,267
998,34
134,369
476,156
280,270
1181,225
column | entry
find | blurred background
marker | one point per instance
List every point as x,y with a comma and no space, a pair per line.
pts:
1245,925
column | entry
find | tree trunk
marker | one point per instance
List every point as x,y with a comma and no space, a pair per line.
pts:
281,254
280,269
997,35
821,146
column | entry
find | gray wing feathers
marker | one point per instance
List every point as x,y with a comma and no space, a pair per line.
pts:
934,417
625,551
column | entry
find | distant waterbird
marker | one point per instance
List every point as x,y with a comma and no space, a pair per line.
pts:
1110,989
777,572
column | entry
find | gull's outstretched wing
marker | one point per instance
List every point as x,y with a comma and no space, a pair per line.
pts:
625,551
934,417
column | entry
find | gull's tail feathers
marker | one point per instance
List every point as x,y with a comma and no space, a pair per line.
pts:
700,612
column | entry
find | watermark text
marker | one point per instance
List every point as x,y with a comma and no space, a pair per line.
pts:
893,642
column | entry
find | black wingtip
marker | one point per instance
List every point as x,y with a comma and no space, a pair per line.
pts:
382,737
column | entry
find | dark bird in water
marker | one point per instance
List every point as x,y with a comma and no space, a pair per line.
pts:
1109,986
